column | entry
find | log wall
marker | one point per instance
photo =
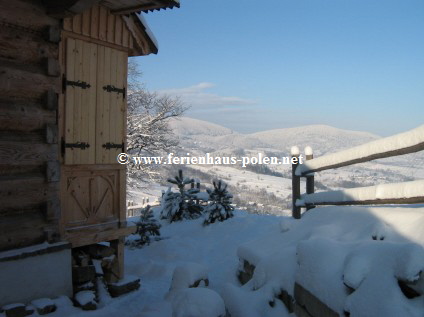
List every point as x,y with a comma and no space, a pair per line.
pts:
29,151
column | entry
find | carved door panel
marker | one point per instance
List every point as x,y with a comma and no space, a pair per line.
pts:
91,198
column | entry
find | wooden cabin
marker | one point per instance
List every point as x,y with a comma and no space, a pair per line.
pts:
63,77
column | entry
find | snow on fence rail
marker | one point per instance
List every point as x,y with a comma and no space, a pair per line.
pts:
399,144
399,193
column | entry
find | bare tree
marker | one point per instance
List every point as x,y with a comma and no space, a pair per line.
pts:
148,131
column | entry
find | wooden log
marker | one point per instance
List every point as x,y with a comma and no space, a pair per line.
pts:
118,245
26,193
21,230
14,153
51,99
404,143
30,82
51,133
52,209
19,45
53,67
28,171
389,201
29,15
295,183
32,137
24,116
53,171
53,34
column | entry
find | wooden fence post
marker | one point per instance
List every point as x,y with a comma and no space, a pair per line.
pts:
295,182
198,187
310,179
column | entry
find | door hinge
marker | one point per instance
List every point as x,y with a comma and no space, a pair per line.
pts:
110,145
77,145
78,83
111,88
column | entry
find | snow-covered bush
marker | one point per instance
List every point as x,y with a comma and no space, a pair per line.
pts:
219,208
181,205
147,226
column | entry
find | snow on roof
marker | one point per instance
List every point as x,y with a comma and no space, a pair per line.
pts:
147,29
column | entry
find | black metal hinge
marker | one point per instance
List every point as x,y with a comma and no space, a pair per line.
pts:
78,83
109,146
77,145
111,88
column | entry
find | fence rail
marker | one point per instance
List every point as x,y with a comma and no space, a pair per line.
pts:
399,193
404,143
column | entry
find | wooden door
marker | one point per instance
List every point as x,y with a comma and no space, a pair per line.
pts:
80,102
111,111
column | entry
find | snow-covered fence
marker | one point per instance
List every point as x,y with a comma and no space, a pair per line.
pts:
399,193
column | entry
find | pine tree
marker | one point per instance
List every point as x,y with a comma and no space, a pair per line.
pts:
147,226
177,206
219,208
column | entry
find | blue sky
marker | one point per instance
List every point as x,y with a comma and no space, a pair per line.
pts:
252,66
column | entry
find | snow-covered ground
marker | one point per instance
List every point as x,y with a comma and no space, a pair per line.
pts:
350,257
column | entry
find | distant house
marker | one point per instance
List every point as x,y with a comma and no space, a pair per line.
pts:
63,70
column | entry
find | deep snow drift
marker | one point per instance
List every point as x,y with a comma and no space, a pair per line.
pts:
351,258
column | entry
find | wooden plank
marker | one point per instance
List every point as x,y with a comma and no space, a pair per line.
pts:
125,35
114,113
86,23
100,112
95,41
131,41
92,101
102,23
118,30
69,98
111,28
96,235
77,113
105,123
84,120
394,201
77,24
94,30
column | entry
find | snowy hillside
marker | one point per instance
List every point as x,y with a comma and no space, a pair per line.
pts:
271,187
321,138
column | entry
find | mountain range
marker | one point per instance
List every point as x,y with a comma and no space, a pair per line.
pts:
209,137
